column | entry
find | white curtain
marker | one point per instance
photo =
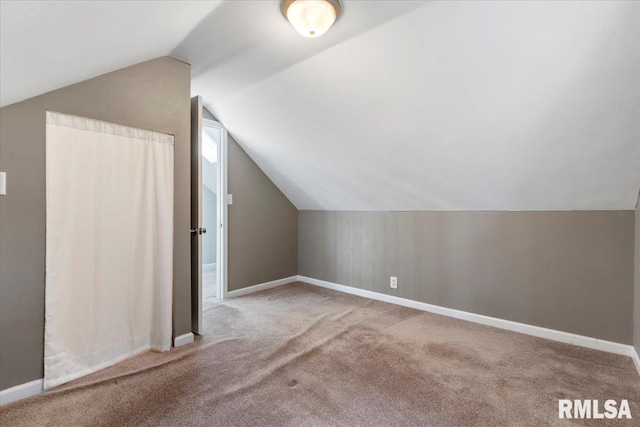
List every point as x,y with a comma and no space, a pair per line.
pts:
109,243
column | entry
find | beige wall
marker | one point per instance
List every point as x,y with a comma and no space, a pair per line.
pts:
153,95
636,306
263,225
569,271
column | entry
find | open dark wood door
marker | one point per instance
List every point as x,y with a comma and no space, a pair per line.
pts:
196,215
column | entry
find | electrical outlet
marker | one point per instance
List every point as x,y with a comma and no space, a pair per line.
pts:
393,283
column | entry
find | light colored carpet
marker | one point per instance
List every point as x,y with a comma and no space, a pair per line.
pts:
299,355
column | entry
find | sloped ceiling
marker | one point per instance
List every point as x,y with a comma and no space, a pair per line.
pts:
402,105
46,45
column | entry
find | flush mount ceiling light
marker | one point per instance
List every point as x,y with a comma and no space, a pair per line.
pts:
311,18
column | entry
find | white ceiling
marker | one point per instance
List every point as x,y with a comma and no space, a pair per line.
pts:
403,105
46,45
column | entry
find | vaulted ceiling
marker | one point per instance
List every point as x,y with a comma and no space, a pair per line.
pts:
402,105
46,45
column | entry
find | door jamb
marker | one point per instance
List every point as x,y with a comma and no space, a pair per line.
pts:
223,211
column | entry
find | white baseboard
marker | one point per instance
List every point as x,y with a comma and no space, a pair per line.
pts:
636,360
536,331
21,391
183,339
35,387
261,287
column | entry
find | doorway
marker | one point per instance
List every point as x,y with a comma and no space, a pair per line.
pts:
208,213
214,142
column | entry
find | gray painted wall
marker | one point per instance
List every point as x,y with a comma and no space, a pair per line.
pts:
263,225
636,306
153,95
569,271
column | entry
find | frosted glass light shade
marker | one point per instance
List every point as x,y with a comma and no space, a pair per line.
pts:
311,18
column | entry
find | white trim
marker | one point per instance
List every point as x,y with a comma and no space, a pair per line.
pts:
636,359
223,210
223,259
21,391
183,339
32,388
262,287
35,387
536,331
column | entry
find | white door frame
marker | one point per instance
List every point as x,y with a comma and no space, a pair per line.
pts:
222,233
